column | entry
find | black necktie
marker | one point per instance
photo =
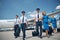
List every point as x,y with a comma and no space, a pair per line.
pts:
38,17
23,20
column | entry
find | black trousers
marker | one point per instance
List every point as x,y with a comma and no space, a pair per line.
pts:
23,26
16,30
39,24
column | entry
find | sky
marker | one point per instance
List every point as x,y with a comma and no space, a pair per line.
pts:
10,8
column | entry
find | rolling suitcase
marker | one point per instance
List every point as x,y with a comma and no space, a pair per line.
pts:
17,32
34,33
50,31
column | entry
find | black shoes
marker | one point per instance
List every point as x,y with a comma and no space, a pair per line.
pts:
23,38
40,37
15,36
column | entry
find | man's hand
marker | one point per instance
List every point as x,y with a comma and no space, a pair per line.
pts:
27,23
34,24
19,22
40,18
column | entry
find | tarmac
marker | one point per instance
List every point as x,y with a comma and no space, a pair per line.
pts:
9,35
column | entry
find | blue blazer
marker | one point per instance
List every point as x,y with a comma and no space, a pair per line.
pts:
45,19
53,20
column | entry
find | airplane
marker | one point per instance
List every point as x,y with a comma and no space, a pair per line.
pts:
8,24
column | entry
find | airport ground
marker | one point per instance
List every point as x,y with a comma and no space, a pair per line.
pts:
8,35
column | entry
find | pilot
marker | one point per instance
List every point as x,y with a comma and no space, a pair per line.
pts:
38,22
45,23
54,23
23,22
16,27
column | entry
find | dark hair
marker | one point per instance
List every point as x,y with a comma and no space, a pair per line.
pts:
38,9
23,12
17,15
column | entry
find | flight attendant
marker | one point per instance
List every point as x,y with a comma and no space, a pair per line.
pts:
45,23
54,23
23,22
38,22
16,27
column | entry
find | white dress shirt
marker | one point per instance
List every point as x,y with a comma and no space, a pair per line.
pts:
25,19
36,16
16,21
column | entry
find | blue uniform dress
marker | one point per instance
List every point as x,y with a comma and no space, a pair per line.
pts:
53,21
45,22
